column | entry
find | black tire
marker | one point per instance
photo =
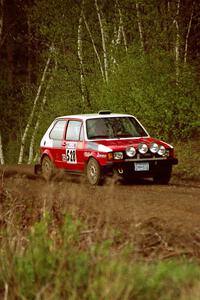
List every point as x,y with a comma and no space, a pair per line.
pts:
93,172
163,177
47,168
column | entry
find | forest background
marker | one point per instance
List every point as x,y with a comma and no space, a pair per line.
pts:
71,56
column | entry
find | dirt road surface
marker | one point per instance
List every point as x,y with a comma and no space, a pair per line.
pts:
158,221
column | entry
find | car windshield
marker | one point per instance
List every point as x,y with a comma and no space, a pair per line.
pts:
114,127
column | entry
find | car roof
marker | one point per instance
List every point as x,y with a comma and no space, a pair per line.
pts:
92,116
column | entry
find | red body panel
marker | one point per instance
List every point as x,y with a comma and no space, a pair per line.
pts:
73,154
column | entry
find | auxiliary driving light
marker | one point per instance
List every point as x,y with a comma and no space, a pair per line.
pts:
118,155
130,151
162,151
142,148
154,148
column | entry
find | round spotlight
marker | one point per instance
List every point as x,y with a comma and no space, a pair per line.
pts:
142,148
130,151
154,148
162,151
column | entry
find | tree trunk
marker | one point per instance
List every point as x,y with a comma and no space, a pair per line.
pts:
140,26
105,57
177,43
122,29
94,47
188,33
30,119
1,151
80,56
32,142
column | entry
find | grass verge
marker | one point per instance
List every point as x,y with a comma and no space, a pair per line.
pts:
59,262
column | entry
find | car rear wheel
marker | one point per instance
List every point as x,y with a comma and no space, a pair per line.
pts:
47,168
93,172
163,177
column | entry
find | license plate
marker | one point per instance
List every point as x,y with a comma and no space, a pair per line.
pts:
141,166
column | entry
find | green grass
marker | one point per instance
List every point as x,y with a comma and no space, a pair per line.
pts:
189,160
56,262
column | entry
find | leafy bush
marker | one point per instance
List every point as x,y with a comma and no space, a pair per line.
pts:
56,263
146,87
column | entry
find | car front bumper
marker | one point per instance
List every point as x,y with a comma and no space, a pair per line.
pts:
128,167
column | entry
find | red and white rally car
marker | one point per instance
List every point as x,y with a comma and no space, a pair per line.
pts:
103,144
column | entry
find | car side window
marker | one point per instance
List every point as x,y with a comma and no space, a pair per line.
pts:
73,130
58,130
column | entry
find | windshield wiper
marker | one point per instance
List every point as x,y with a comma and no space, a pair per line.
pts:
123,135
99,136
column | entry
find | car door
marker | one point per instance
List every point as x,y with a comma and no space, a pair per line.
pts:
73,146
56,137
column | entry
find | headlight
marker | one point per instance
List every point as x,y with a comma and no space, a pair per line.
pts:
118,155
154,148
130,151
162,151
142,148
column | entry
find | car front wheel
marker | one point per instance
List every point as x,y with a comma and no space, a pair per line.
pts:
163,177
47,168
93,172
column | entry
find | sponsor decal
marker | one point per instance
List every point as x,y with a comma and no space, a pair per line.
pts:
87,153
92,146
101,155
98,147
71,145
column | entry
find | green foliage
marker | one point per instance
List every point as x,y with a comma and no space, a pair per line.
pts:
140,81
189,160
55,263
144,85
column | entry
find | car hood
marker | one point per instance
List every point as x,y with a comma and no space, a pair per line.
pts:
122,144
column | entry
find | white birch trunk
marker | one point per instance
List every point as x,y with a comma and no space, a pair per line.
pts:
30,119
140,26
32,142
1,152
177,44
80,56
188,33
94,47
122,30
105,57
118,36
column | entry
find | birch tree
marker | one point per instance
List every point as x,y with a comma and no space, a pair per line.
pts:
188,33
31,116
177,42
139,21
80,55
37,124
94,46
121,27
105,55
119,35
